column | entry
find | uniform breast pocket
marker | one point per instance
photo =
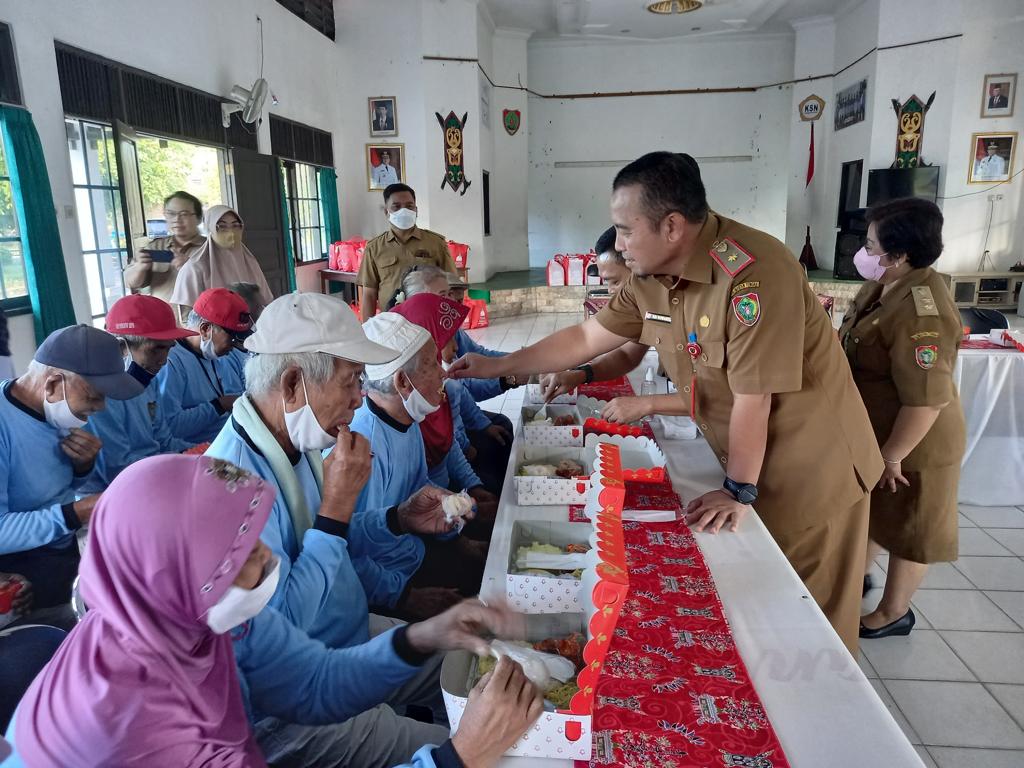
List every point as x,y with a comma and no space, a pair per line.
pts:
712,354
655,334
386,261
867,350
423,257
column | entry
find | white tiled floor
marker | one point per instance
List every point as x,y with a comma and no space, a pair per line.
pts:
956,683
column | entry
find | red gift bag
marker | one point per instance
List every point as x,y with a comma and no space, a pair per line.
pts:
459,253
347,255
477,317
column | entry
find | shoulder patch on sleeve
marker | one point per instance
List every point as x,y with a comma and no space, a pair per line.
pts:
731,256
924,302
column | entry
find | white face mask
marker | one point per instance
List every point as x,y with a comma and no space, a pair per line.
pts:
207,348
417,407
304,429
404,218
59,415
238,605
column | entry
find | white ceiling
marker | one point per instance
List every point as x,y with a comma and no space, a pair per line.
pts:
629,19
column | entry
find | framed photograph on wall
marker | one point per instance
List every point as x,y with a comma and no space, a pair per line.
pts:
383,115
991,157
385,164
998,95
850,105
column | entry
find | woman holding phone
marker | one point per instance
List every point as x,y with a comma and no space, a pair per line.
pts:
156,266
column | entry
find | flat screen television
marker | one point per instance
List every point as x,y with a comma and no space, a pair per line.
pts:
893,183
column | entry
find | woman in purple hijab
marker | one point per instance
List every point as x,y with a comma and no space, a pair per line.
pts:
148,677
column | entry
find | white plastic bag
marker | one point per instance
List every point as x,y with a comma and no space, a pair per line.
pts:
541,669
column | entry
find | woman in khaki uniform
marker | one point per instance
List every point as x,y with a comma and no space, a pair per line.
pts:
901,337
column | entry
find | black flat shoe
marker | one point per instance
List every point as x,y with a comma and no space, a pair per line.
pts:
869,584
901,626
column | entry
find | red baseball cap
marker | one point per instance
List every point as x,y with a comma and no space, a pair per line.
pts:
226,309
146,316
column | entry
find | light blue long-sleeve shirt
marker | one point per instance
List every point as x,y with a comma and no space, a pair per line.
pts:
455,471
189,385
36,480
473,419
130,430
319,591
480,389
286,674
385,562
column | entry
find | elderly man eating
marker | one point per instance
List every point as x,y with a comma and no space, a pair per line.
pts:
45,455
303,385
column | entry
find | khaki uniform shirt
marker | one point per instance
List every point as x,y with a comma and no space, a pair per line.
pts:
386,259
902,348
163,276
744,299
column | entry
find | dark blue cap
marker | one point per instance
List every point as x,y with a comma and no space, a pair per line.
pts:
94,355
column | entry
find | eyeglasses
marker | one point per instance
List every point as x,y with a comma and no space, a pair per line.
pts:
172,215
225,227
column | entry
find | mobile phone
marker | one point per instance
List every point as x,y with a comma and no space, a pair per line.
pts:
161,257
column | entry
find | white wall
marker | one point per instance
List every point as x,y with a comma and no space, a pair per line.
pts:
569,206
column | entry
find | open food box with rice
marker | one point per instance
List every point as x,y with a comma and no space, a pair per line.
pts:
561,475
547,559
535,395
559,425
582,637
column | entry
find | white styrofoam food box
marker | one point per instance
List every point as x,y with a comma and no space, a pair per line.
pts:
634,453
531,593
547,434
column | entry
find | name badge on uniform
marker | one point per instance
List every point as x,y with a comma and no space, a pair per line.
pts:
657,318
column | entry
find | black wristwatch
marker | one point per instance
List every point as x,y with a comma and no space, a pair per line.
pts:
744,493
509,382
588,372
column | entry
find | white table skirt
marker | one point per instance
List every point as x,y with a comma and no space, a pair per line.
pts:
991,386
824,710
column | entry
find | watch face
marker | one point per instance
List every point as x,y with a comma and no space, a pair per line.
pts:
747,496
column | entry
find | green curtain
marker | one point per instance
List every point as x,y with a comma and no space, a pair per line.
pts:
328,181
286,224
37,219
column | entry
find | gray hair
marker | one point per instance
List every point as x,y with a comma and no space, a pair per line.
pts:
195,320
35,369
136,342
263,371
386,386
415,281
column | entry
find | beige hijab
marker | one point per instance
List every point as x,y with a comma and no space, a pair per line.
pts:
213,266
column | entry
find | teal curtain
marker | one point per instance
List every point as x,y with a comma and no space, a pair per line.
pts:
286,223
328,181
37,219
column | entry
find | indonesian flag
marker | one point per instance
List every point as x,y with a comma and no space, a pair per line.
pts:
810,159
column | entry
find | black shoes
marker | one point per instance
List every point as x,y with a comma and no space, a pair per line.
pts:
901,626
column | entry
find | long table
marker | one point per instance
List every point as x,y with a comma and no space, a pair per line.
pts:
822,707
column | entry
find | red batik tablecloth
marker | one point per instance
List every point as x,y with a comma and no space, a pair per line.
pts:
674,692
984,344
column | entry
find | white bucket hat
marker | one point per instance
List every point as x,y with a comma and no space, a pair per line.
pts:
408,338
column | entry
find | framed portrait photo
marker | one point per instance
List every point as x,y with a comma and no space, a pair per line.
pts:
998,95
992,157
385,164
383,115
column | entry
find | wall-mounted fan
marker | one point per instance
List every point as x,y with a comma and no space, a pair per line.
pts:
248,101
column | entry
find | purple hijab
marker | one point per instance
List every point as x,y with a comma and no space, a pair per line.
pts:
142,681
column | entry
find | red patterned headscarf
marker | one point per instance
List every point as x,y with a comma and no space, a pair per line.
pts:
441,318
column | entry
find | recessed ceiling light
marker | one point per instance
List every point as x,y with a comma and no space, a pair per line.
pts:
625,31
695,29
674,6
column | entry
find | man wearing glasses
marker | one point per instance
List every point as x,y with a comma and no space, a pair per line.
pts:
184,213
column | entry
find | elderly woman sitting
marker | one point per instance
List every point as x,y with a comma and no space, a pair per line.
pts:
149,676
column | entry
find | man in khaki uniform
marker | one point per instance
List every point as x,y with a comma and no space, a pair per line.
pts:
404,245
183,212
734,320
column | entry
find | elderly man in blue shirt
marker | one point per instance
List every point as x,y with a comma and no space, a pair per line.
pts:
199,384
303,384
45,455
134,429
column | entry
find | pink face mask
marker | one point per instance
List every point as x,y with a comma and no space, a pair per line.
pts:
869,266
